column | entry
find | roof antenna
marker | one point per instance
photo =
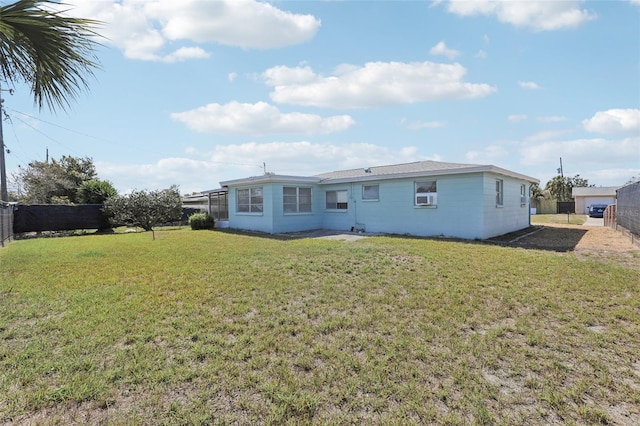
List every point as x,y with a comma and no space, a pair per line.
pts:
264,167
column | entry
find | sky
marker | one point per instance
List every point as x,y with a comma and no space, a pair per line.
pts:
195,92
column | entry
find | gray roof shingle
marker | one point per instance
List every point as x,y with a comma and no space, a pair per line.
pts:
397,169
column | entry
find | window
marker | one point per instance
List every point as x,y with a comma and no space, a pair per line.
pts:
337,200
249,200
296,200
523,195
371,192
499,192
426,193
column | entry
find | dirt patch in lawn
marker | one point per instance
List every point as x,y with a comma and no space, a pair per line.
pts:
585,242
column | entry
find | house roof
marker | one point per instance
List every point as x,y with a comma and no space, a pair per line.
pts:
600,191
395,171
415,169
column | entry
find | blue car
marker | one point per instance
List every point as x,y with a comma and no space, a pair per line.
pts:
597,210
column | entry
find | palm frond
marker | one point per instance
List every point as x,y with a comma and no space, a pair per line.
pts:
52,52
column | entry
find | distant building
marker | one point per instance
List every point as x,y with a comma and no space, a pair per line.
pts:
586,196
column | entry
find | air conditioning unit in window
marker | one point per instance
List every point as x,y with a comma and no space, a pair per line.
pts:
425,199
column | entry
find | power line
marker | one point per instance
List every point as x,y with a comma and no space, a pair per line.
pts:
262,166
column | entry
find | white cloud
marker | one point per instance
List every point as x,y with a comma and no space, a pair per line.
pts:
636,2
602,161
258,119
595,153
144,28
481,54
185,53
442,49
374,84
232,76
517,118
617,176
537,15
614,121
529,85
417,125
492,154
200,170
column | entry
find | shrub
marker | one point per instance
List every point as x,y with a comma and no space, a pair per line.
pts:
201,221
144,209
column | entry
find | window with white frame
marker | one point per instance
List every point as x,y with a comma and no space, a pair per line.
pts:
371,192
296,199
337,200
426,193
523,195
249,200
499,192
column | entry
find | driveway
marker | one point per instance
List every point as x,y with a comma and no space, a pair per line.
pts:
594,221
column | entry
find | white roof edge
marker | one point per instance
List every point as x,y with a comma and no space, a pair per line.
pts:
516,175
465,170
271,178
211,191
594,190
268,178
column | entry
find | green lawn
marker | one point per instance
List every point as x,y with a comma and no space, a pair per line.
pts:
574,219
201,327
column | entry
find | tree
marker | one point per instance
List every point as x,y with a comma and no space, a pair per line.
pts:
145,209
561,187
56,182
632,180
95,191
51,52
536,191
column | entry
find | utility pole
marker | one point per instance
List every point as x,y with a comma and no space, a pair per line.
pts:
560,169
4,195
562,176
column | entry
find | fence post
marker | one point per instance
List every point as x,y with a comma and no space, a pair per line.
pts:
2,225
6,222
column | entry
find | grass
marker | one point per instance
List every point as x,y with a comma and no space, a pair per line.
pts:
201,327
574,219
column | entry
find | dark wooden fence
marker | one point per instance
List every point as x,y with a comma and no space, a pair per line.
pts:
37,218
566,207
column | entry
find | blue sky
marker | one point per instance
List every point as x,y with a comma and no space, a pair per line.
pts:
196,92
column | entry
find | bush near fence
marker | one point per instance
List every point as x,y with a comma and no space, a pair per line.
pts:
543,206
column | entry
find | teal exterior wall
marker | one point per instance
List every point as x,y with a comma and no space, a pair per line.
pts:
466,208
294,222
395,212
512,215
261,222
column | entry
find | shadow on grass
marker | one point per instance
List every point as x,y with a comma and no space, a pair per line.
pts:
542,238
534,237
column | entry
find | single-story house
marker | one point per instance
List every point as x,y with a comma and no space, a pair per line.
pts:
424,198
586,196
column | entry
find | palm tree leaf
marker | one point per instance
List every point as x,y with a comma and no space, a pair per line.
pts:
52,52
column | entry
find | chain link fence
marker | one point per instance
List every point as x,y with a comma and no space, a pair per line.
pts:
628,209
6,223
